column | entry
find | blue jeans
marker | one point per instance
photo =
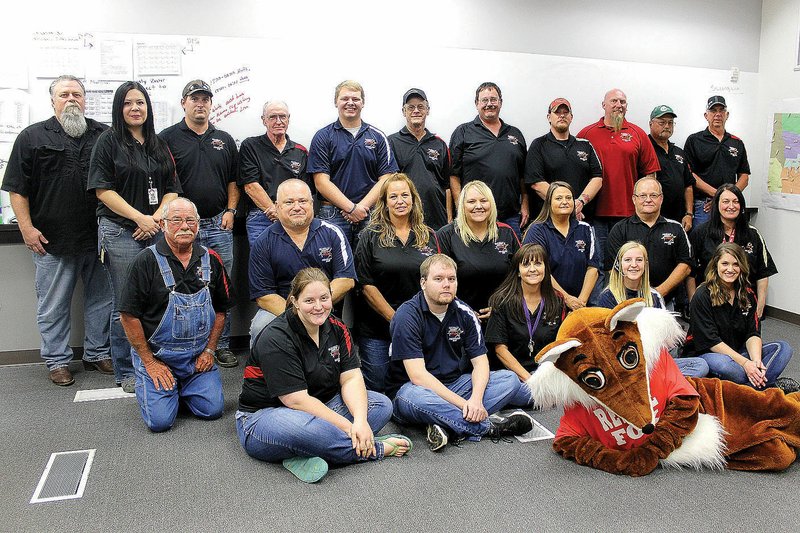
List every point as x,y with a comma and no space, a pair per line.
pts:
694,367
700,216
419,405
259,322
723,367
220,240
277,433
374,354
332,214
513,221
56,276
256,223
119,248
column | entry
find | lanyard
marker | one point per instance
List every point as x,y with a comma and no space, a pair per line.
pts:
531,329
725,237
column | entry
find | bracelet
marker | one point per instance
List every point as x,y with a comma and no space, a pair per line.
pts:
584,198
689,214
581,200
354,208
209,350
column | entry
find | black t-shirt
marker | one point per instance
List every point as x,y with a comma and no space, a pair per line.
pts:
481,265
711,324
427,163
717,162
666,243
145,296
205,165
261,162
674,176
498,161
758,257
573,161
511,329
393,271
50,169
284,360
111,168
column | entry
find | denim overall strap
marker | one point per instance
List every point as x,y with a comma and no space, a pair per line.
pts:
163,266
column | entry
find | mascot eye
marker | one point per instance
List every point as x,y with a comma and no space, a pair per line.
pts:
628,357
593,378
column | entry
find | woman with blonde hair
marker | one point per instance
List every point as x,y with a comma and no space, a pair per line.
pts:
481,246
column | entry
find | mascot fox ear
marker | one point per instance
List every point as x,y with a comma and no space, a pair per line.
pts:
553,351
626,311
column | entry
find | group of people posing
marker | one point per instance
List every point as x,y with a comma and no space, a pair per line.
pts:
421,240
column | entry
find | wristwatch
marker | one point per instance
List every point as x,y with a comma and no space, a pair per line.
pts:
230,210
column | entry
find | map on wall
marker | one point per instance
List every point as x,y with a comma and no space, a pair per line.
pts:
783,179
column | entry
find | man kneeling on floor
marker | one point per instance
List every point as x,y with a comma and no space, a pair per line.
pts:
436,339
173,310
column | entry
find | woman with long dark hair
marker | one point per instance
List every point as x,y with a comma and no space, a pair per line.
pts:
133,176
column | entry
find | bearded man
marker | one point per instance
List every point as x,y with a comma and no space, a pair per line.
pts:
46,179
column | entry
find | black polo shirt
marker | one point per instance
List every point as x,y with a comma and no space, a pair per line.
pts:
145,296
498,161
573,161
666,243
717,162
711,324
205,164
481,265
50,169
111,168
284,360
758,257
261,162
674,176
510,328
427,163
393,271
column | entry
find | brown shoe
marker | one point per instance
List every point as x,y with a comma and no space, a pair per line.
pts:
61,377
103,366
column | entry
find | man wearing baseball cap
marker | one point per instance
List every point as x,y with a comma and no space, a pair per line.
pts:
207,162
716,157
424,157
559,156
675,176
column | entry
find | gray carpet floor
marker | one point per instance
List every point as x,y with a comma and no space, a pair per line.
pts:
196,477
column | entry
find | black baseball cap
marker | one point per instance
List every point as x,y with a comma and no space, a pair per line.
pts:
197,86
414,92
716,100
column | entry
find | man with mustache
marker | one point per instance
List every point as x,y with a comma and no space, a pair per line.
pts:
173,311
559,156
626,154
46,179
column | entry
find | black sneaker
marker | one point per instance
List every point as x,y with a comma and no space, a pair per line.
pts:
513,424
226,358
437,437
787,385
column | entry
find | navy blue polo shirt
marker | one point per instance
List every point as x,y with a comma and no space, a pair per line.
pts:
427,163
666,243
570,256
716,162
498,161
275,258
674,176
573,161
447,345
205,164
261,162
353,163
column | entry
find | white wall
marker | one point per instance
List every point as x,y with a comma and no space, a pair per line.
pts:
778,81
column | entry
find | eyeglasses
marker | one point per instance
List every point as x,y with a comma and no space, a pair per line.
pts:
664,123
275,118
492,100
645,196
178,221
418,107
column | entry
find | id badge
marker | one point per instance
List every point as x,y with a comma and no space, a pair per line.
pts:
152,196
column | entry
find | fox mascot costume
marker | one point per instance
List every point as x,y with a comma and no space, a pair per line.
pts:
627,408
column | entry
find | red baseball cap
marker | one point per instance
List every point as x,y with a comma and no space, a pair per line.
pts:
559,102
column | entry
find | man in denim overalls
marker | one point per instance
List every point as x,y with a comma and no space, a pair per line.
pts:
173,311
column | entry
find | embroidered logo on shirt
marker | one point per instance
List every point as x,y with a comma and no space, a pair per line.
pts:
294,166
454,333
626,137
501,247
427,251
668,238
513,140
580,245
217,144
370,143
749,248
326,254
433,154
733,151
199,272
583,156
335,354
679,158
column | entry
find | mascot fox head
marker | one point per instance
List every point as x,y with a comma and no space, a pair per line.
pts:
601,356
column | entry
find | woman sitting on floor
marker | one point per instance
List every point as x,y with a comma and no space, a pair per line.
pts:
303,388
